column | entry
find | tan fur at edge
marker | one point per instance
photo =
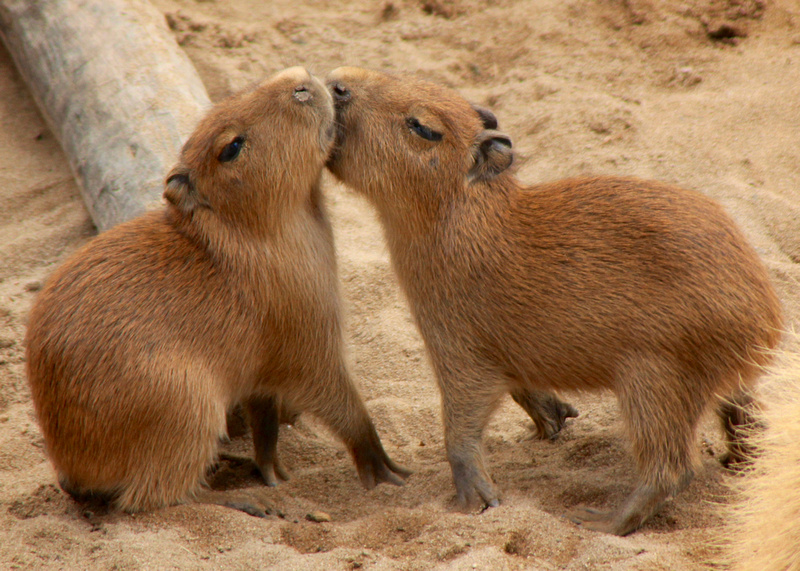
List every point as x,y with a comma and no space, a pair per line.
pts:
764,534
595,283
140,341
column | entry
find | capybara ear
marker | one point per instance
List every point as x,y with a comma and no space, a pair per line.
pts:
492,153
487,117
179,190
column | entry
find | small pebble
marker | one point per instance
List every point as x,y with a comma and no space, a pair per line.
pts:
318,517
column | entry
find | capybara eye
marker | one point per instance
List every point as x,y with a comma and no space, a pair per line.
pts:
423,131
301,93
231,150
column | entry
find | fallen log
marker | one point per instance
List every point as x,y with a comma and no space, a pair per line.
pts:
114,87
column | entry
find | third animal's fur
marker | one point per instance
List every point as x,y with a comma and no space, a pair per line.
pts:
763,533
639,287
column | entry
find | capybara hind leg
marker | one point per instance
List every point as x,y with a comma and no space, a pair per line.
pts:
337,403
643,503
548,412
738,415
661,409
264,415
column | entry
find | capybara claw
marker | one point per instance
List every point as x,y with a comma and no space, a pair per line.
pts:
477,497
388,473
375,467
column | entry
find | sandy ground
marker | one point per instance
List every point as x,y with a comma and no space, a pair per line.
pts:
703,94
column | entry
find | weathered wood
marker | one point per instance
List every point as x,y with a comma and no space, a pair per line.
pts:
115,88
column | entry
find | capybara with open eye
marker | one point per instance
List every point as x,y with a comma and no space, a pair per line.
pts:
139,343
581,284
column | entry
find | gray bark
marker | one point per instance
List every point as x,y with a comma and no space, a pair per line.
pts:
115,88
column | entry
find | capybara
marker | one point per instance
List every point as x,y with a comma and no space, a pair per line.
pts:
582,284
139,343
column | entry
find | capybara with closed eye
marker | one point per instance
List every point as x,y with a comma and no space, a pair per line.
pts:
635,286
140,342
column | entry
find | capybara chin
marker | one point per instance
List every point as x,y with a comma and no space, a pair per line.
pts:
635,286
140,342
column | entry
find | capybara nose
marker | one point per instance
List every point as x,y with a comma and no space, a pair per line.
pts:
341,94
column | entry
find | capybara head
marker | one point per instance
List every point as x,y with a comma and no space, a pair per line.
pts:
427,136
255,154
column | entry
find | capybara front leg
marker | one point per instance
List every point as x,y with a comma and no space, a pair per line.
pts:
548,412
337,403
265,422
474,486
466,413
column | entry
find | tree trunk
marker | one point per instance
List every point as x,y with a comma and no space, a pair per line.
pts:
115,88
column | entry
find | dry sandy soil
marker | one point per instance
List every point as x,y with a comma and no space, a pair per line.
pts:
700,93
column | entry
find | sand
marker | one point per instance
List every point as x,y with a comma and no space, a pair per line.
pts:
703,94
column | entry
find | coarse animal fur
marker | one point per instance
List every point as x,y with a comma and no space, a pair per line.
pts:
139,343
635,286
764,529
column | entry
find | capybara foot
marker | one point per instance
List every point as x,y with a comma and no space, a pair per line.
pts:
476,495
273,472
238,467
640,506
596,520
548,412
232,500
265,416
374,465
739,415
474,489
247,508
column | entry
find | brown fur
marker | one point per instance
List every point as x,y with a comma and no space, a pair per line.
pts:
140,342
582,284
